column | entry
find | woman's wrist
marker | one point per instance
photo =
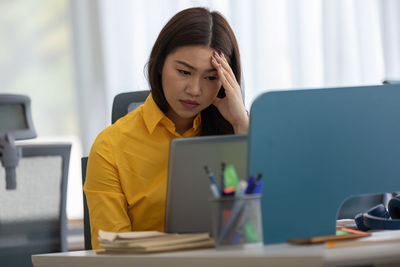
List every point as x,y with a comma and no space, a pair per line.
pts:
242,127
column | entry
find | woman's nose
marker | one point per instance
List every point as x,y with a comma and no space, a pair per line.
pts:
194,87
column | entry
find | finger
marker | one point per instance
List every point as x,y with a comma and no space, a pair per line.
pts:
230,76
225,64
231,80
221,75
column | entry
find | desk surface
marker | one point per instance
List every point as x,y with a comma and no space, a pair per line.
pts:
271,255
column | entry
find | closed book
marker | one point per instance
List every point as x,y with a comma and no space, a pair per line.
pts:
132,242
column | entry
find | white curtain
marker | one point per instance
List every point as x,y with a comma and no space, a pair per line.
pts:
284,44
390,21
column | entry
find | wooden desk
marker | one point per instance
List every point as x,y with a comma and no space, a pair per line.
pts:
272,255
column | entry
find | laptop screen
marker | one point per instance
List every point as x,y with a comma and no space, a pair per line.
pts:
188,190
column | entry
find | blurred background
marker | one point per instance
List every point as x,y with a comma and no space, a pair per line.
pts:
71,57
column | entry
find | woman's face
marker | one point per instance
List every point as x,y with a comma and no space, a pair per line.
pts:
189,81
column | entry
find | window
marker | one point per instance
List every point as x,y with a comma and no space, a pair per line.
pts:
36,59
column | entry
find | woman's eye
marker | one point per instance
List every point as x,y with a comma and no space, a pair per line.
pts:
211,78
184,72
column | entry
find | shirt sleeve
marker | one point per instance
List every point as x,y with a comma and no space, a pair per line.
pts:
106,202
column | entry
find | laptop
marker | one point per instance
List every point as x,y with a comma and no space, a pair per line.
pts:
188,187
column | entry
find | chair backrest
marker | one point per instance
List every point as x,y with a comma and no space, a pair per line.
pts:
123,104
33,216
126,102
86,221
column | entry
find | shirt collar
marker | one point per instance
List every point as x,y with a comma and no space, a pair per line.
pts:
153,115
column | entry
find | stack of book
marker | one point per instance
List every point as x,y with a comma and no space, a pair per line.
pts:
152,241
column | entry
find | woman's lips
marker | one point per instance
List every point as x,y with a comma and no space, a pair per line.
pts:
189,104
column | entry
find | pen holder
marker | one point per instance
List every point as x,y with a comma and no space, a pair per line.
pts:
236,221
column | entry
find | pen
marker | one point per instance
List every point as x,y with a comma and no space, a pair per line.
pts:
237,207
257,189
250,184
238,232
211,177
257,185
242,188
259,176
348,230
214,190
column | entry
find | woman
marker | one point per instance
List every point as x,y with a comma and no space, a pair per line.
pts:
194,74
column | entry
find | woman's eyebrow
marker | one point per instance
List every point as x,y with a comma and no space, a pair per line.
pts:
191,67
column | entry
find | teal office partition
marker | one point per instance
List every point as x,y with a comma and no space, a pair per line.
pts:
317,147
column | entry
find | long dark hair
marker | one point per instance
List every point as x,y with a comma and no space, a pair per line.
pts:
195,26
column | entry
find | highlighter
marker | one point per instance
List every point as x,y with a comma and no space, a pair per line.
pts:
231,179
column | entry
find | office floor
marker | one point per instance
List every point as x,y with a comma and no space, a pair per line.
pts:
75,236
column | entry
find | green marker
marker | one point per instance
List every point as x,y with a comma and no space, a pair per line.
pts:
231,178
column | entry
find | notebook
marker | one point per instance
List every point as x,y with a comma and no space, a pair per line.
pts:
188,187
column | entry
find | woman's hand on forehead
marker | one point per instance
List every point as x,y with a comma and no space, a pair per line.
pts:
231,106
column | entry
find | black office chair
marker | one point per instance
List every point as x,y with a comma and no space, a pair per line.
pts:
33,216
123,104
126,102
86,222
